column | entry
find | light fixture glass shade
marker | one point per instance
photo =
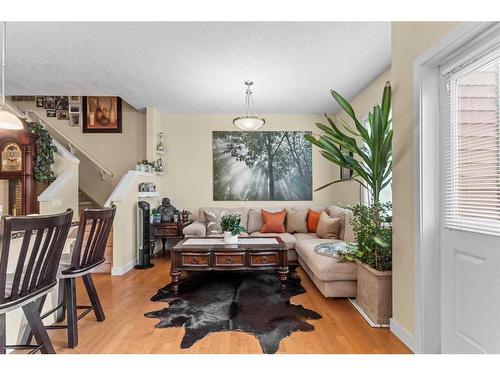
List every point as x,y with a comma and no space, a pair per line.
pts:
9,121
249,122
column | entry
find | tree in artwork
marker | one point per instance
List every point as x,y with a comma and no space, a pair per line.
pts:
267,165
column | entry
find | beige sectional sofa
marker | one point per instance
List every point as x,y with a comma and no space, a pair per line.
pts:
333,278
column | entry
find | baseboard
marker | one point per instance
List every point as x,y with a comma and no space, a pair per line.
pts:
407,338
118,271
366,317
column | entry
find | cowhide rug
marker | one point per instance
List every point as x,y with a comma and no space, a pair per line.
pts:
234,301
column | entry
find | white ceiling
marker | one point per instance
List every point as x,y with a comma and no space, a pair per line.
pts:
194,67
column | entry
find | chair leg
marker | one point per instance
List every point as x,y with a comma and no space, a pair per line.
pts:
61,313
94,298
70,291
27,336
37,327
3,334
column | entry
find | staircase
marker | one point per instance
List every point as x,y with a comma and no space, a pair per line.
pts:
84,201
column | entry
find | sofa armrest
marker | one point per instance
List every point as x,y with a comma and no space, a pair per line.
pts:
195,229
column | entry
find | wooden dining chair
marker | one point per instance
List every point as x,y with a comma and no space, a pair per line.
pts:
34,274
86,256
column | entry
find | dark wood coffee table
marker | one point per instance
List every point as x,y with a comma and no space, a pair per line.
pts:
212,254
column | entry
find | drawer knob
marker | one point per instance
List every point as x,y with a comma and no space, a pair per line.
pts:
263,260
195,260
229,260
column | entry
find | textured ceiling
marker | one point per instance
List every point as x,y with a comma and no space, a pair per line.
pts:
194,67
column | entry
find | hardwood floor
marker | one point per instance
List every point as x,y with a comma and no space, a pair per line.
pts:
126,298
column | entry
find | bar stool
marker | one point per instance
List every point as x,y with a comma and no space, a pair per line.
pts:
34,274
80,264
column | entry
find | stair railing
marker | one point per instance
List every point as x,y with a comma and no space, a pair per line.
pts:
72,146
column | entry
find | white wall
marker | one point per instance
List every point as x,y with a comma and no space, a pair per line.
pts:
189,171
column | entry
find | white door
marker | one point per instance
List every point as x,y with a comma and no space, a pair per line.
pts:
470,220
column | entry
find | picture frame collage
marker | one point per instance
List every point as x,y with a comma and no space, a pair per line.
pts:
67,108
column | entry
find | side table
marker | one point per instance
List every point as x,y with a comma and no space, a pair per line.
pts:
168,231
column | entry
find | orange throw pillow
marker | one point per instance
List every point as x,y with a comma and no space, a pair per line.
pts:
312,220
274,222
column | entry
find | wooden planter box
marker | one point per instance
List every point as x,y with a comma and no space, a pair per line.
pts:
374,293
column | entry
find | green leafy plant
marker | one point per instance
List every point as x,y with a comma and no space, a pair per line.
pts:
44,154
372,226
366,151
231,223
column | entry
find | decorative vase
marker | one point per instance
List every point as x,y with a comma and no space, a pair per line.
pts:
229,238
159,146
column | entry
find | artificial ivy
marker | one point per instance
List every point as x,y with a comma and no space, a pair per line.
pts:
44,154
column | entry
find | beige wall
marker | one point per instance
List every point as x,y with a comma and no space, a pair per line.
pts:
409,40
116,152
188,176
370,96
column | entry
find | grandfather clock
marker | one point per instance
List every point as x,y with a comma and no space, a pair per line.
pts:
17,156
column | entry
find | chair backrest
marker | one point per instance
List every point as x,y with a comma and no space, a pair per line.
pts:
35,265
90,245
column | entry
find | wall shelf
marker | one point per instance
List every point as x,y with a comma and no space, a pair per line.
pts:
160,152
147,194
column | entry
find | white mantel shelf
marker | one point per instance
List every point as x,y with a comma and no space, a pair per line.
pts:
147,194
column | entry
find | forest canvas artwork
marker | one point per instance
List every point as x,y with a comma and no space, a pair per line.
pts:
261,165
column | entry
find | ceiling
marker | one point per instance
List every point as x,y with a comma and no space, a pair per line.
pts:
198,67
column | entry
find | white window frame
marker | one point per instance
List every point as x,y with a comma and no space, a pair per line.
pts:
427,179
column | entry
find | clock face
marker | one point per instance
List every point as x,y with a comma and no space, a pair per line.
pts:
11,158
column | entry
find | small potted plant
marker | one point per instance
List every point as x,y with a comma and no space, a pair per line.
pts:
155,216
230,224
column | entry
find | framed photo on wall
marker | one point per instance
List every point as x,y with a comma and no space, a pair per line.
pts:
345,173
102,114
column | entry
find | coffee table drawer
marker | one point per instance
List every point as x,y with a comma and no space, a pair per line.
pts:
263,260
195,260
230,260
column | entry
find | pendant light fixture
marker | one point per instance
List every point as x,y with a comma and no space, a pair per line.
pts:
250,120
8,120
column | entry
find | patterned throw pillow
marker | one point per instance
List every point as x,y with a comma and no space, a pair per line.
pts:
332,249
213,216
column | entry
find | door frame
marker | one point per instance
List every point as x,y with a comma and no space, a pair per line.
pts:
427,178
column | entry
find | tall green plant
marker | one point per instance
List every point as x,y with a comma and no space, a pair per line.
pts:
44,154
371,147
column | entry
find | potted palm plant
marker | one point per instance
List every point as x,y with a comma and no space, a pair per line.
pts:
230,225
367,151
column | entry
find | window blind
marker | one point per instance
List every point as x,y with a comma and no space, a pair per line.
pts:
472,145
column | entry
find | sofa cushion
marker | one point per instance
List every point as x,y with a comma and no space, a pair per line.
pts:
348,232
328,227
313,220
323,267
296,220
287,238
304,236
195,229
335,211
274,222
212,216
255,217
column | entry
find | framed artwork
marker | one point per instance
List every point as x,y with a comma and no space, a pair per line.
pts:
49,103
74,99
75,119
74,108
61,115
61,103
102,114
346,173
261,166
40,101
51,113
